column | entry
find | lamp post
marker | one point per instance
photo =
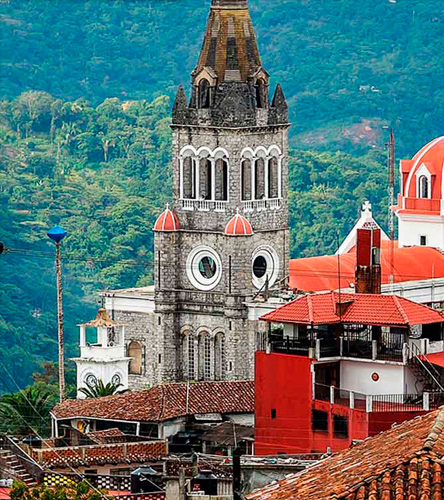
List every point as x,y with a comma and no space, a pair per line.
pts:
57,234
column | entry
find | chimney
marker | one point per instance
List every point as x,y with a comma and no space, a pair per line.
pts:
368,261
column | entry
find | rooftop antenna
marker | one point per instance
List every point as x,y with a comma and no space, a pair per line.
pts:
391,193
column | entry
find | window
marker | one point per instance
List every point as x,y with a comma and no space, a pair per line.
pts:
340,426
120,472
207,357
423,241
261,93
221,180
273,177
189,178
191,374
319,420
135,353
246,180
273,413
260,179
219,356
204,94
206,180
92,472
424,187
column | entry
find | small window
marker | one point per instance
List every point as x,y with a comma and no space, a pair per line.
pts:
159,320
424,187
119,472
423,241
273,413
92,472
160,359
340,426
319,420
204,94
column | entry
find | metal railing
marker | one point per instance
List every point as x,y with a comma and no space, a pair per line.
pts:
28,463
378,402
288,345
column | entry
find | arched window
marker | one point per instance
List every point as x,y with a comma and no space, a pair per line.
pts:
189,178
206,180
221,180
260,179
261,93
207,357
191,363
135,353
424,187
204,94
219,356
246,180
273,178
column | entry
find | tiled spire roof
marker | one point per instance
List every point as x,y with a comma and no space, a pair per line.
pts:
230,47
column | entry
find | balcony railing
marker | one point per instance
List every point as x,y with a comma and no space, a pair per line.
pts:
260,205
204,205
378,402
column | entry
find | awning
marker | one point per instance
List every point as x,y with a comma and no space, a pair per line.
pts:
436,358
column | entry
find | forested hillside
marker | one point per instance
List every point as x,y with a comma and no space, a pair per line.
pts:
347,67
85,138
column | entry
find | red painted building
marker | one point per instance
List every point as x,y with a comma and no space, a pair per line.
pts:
341,367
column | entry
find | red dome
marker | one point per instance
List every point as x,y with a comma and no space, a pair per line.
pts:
428,165
238,226
167,221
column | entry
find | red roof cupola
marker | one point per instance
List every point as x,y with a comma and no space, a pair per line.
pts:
167,221
238,226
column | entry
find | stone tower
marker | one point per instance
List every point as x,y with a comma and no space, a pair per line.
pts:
226,237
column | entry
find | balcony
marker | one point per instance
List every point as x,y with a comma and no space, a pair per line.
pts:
372,403
261,205
204,205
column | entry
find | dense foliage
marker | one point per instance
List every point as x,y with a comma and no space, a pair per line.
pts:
81,491
103,172
339,61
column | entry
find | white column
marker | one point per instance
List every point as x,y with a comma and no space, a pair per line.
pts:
181,178
267,173
197,186
253,179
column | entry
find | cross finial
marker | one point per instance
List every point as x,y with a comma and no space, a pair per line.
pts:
167,206
366,207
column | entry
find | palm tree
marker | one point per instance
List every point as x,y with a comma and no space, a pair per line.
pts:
99,390
25,412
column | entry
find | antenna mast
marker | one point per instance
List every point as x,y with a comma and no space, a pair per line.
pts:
391,192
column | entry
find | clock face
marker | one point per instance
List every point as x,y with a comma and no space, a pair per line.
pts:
91,380
116,380
204,268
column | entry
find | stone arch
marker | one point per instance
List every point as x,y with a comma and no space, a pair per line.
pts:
135,352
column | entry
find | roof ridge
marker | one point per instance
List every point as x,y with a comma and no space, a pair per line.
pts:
310,309
400,309
435,432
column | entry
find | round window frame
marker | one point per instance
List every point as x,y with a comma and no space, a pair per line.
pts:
193,272
91,375
119,376
272,259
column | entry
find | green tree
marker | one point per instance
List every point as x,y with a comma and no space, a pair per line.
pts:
82,491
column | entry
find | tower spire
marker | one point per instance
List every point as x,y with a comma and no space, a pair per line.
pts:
229,48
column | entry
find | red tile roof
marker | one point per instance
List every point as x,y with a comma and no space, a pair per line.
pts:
403,463
77,456
164,402
316,274
363,309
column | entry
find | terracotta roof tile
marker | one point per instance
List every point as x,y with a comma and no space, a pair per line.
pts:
402,463
364,309
164,402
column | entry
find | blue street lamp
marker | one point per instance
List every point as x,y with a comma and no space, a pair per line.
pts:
57,234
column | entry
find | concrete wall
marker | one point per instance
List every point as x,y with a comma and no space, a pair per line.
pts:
411,227
357,376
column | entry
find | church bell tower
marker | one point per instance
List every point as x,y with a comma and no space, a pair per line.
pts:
225,237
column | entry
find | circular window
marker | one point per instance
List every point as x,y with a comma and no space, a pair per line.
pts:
91,380
375,377
116,380
204,268
265,264
259,266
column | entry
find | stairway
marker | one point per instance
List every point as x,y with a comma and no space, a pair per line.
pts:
424,371
14,468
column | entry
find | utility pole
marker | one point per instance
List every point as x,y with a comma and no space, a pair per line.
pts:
57,234
391,192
